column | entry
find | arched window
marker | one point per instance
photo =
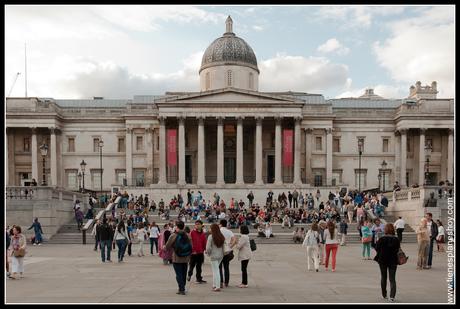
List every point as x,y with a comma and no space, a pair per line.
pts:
251,81
229,78
208,81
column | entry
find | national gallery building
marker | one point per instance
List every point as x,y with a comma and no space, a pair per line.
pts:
231,136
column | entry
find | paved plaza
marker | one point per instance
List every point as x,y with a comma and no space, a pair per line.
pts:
277,274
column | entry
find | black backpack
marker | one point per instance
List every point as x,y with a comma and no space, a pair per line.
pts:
183,245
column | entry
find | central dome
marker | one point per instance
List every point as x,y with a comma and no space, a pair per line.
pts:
229,50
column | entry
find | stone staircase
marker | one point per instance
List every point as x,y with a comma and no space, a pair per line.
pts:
69,234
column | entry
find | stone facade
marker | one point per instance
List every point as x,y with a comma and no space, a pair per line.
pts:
230,137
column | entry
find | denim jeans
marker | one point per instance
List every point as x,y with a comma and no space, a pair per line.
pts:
430,252
181,274
104,244
121,244
152,242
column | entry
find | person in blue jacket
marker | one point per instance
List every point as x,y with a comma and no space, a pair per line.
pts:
38,232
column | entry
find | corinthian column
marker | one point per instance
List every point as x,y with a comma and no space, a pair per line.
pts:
220,151
181,180
35,155
53,155
278,151
329,156
259,149
239,151
201,163
297,180
402,181
162,156
421,161
129,156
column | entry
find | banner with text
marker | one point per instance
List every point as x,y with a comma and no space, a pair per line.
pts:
287,147
172,154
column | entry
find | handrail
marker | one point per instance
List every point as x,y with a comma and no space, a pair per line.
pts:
90,222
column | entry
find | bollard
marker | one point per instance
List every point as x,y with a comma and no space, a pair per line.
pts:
84,236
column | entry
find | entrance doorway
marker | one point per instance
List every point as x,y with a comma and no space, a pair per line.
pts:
270,169
188,168
230,170
431,179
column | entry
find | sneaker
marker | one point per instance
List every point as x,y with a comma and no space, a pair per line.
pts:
333,270
317,270
216,290
392,300
35,244
189,278
200,281
40,244
180,292
243,286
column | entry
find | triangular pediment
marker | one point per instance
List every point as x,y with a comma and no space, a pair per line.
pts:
229,95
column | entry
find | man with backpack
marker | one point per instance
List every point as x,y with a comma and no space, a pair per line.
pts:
182,245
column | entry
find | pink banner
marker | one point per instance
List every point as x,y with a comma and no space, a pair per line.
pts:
287,147
172,154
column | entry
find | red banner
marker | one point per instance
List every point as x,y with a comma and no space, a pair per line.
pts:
172,154
287,147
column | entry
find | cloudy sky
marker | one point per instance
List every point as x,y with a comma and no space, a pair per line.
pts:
120,51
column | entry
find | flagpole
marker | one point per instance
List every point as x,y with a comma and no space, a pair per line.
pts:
25,65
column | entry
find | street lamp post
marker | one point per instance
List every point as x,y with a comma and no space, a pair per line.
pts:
428,149
79,181
83,166
101,144
380,180
44,152
384,166
360,149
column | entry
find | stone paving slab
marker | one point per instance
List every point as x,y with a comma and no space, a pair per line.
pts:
277,274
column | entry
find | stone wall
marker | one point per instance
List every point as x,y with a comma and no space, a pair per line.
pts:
52,207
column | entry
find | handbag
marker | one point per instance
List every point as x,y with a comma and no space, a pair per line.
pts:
402,258
19,252
366,240
253,245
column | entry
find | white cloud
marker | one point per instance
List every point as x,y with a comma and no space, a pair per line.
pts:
257,28
422,48
356,15
44,22
333,45
312,74
83,77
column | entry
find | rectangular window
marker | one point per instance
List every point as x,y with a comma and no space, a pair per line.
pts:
319,143
95,144
71,144
26,144
336,177
336,145
96,179
318,180
72,180
121,144
139,143
360,179
120,176
140,178
318,176
385,145
385,180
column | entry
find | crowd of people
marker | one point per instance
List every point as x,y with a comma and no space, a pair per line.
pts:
185,249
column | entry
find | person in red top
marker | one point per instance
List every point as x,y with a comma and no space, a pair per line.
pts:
198,247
